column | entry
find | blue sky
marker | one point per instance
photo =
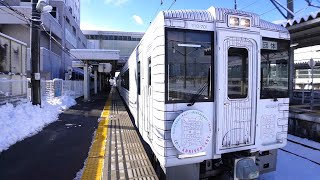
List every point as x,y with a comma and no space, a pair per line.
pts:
135,15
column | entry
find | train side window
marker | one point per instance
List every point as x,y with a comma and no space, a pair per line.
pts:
138,80
125,80
149,71
237,73
274,80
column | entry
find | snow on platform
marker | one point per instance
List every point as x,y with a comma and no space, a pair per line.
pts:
24,120
293,167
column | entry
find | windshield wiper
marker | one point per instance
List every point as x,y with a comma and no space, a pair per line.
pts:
198,94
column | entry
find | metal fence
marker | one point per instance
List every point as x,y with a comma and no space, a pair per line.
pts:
304,94
15,88
58,87
72,88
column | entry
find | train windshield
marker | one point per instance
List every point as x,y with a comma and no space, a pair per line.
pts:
274,69
189,65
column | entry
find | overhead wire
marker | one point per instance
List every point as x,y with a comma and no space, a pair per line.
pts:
15,10
250,4
15,15
156,12
273,9
42,27
173,2
64,49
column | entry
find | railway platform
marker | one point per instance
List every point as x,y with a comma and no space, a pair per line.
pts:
59,150
117,151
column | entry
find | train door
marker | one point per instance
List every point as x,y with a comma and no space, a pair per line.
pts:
138,91
238,57
149,100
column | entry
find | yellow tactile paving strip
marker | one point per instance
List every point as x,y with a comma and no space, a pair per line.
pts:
126,157
95,160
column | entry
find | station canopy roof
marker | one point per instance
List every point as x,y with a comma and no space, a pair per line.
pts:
304,31
96,54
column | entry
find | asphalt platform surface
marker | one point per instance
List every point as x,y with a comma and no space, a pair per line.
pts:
59,151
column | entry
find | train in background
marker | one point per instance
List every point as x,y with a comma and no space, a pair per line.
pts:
208,90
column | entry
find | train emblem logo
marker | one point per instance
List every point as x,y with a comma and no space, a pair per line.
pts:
191,132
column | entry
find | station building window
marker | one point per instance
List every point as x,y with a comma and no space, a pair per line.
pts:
189,65
54,12
112,37
274,80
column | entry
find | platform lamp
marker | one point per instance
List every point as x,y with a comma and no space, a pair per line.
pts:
38,7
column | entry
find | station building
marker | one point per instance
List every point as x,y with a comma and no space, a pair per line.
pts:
114,40
60,33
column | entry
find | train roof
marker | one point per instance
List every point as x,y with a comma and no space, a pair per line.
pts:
219,15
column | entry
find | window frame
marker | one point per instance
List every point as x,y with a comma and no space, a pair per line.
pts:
288,68
125,84
212,70
248,74
139,77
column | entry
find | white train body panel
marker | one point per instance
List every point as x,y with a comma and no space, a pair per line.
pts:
251,123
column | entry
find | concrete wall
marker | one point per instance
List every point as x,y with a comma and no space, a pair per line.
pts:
304,129
50,64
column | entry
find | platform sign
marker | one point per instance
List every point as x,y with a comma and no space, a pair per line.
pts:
191,132
312,63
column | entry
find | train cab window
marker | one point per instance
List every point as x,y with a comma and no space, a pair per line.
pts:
237,73
189,65
274,80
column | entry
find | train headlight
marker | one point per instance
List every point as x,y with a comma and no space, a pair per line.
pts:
245,22
233,21
238,21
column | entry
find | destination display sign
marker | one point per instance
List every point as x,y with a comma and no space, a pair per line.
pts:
271,45
191,132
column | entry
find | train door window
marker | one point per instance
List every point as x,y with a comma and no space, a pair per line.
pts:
274,69
149,71
138,80
189,65
237,73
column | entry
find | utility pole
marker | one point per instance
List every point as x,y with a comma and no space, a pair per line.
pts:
291,60
235,4
35,52
290,7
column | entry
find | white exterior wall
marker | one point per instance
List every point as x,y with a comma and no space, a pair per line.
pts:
75,6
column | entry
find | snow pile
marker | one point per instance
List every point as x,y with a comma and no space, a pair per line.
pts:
24,120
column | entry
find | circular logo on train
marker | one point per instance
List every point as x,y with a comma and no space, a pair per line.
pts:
191,132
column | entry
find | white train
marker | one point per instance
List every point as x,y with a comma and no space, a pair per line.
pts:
208,90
